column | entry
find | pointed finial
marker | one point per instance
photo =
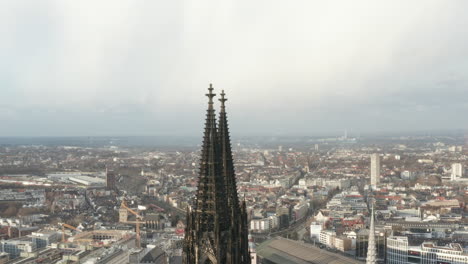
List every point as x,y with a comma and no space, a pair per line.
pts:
222,100
210,94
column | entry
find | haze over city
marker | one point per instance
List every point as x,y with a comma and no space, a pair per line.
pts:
233,132
93,68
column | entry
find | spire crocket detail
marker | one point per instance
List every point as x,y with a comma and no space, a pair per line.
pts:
371,250
216,231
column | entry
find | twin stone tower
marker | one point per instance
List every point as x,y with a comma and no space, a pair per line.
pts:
216,230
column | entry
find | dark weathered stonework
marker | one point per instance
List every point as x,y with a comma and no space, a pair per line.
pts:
216,230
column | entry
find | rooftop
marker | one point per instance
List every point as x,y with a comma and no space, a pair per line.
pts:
286,251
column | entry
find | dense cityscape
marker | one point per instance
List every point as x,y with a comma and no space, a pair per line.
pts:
233,132
84,203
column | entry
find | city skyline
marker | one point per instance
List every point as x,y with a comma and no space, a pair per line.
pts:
82,69
345,143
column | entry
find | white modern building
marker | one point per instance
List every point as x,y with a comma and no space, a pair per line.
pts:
399,251
326,237
14,247
265,224
375,169
45,238
315,229
87,180
457,171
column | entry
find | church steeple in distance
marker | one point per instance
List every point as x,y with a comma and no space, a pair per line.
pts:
216,231
371,249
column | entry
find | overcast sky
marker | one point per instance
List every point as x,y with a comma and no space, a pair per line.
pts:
111,67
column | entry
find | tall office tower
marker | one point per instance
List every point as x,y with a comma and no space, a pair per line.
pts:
375,169
110,179
457,171
216,230
372,249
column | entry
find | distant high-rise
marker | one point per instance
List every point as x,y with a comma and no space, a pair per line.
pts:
110,179
216,230
375,169
457,171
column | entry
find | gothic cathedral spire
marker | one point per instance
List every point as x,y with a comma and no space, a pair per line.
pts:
371,250
216,231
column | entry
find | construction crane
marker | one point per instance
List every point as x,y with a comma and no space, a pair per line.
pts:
124,205
137,223
67,226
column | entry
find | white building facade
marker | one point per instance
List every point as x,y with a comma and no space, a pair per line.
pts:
457,171
375,169
400,252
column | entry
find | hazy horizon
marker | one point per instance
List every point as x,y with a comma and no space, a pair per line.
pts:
130,68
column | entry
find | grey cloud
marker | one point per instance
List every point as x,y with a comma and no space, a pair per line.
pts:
141,68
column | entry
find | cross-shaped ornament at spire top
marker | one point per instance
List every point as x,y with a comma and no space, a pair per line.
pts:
210,94
222,99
